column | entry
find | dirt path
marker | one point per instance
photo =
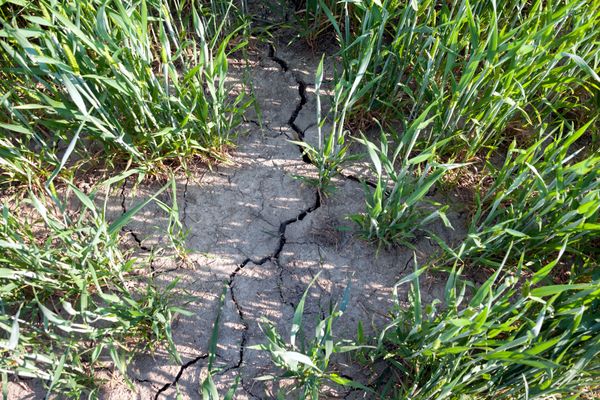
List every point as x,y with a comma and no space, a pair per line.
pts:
260,236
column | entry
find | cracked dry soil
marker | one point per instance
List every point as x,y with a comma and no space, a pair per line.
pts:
263,234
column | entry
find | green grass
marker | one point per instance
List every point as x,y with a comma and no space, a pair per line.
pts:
69,299
513,336
464,80
331,149
543,199
480,66
508,88
310,18
501,340
397,207
138,86
137,81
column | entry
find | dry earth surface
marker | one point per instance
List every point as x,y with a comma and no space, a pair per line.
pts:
261,235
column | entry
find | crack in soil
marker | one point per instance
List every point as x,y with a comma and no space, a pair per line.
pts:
126,230
282,63
274,257
303,100
361,181
179,374
130,231
292,120
123,198
136,238
153,385
299,106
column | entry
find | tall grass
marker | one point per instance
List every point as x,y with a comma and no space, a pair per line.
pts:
484,66
513,84
503,341
97,83
543,200
132,80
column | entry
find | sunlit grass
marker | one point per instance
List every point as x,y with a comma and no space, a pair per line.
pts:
136,81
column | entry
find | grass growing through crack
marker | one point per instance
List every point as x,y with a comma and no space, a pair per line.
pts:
330,151
305,360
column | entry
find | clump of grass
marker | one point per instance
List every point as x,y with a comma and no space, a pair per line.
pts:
477,73
481,65
397,207
134,80
68,300
533,341
306,361
543,199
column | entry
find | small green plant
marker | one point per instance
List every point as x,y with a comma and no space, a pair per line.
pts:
397,208
330,151
308,361
207,387
502,341
68,300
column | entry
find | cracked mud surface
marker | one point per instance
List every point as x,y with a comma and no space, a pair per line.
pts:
262,235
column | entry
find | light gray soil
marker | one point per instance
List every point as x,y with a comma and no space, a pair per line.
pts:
261,236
